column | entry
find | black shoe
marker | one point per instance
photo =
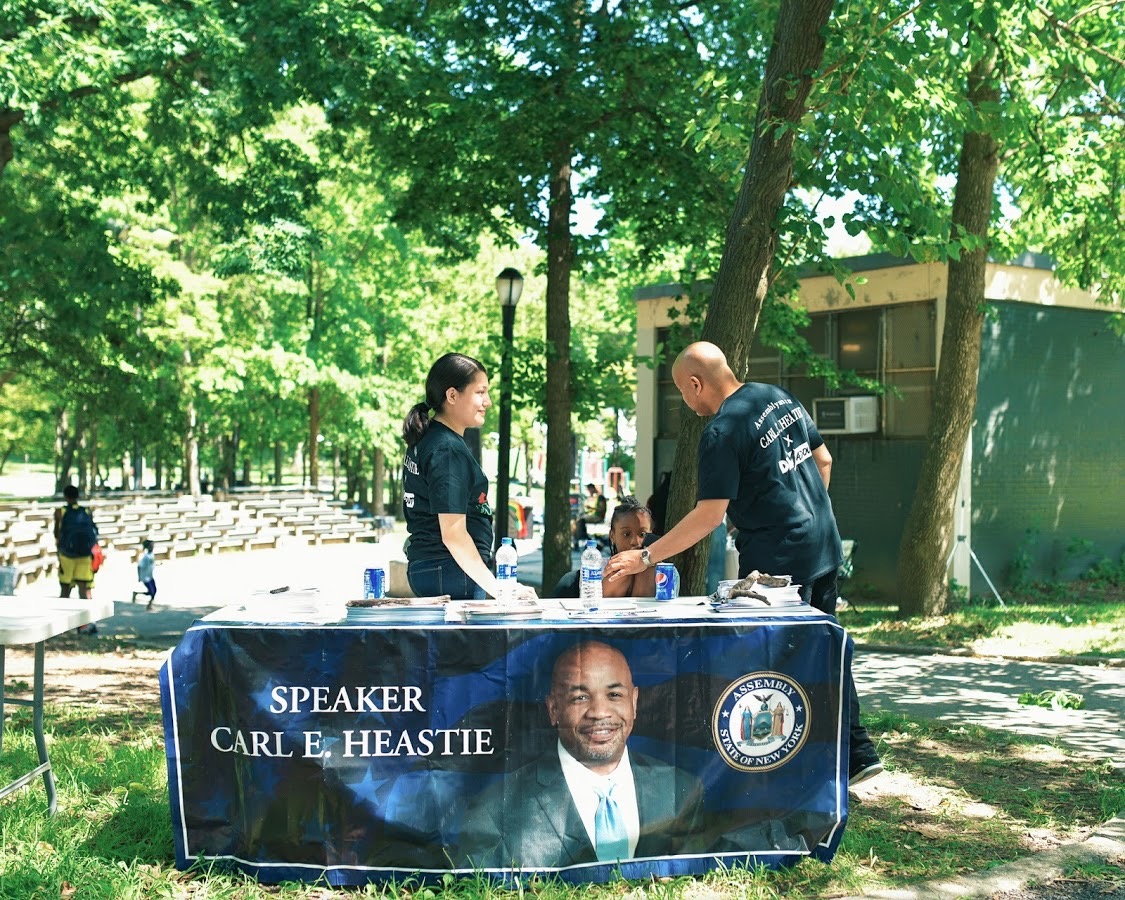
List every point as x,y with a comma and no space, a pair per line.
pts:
864,766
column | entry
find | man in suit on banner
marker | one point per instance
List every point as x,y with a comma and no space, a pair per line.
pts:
587,799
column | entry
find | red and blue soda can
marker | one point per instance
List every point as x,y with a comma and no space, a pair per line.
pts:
374,584
666,578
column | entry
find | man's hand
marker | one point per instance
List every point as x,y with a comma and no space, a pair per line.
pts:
628,562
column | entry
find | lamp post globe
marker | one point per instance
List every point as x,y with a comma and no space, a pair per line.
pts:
509,286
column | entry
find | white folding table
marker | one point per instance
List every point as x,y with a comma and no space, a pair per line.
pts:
34,621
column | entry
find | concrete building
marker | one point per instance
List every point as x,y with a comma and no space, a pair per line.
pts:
1042,492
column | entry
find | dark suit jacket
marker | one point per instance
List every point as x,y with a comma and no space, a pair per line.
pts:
529,821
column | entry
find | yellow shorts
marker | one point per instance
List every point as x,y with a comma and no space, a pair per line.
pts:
75,569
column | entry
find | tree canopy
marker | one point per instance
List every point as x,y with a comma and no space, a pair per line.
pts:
232,234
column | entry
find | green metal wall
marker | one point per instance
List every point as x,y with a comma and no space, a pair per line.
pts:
1048,460
872,488
1048,465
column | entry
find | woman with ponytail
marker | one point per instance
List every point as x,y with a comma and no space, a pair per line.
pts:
445,491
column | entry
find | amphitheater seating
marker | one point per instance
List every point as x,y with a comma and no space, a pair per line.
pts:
182,526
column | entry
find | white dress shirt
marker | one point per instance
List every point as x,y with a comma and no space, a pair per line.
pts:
582,783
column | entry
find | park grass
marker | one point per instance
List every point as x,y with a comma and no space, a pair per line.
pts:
954,800
1083,618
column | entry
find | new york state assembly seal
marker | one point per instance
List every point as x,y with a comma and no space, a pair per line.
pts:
760,721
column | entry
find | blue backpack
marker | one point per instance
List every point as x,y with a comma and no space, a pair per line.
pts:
77,532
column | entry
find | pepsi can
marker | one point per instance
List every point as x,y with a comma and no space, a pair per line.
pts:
374,584
666,578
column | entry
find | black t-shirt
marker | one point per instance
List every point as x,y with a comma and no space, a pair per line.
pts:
757,453
440,475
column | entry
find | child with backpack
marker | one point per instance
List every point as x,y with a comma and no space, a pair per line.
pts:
76,534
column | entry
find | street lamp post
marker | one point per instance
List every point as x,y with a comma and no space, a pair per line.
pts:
509,286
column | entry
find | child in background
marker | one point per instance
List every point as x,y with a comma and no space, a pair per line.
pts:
145,566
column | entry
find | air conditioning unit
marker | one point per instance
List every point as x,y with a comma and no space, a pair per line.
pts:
846,415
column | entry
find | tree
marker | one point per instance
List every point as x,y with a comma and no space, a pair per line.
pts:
743,277
504,131
928,114
928,535
1040,93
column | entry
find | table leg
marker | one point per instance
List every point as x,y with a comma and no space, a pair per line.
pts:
40,740
2,683
36,704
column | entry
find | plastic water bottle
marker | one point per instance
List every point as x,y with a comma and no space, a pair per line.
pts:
591,576
506,564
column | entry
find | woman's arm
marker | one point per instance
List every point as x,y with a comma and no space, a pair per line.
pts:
455,536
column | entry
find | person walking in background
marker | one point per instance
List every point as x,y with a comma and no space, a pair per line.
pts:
146,565
445,491
75,537
594,513
762,463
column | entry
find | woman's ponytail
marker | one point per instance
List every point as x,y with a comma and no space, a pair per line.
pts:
416,423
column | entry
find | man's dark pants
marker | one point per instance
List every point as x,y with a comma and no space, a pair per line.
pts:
822,595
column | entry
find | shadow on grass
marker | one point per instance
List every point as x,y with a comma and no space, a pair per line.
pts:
139,832
986,797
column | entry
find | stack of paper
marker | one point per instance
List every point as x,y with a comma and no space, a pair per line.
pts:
398,609
303,605
474,610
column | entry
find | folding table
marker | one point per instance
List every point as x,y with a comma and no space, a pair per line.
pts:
34,621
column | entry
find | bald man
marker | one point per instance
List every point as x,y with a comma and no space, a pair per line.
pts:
762,463
545,814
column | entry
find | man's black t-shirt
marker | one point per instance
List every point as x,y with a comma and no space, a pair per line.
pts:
757,453
440,475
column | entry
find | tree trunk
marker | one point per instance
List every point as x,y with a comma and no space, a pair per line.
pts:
8,118
378,477
191,453
138,467
65,444
751,238
527,468
928,536
277,462
394,491
314,431
556,515
92,455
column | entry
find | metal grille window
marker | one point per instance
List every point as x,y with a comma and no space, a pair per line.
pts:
896,345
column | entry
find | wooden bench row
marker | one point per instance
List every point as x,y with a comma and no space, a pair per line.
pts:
31,550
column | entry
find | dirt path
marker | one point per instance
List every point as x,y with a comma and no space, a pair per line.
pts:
121,677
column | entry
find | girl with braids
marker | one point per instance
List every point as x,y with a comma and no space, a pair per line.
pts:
445,491
630,528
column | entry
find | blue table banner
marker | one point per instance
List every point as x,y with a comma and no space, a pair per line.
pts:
365,754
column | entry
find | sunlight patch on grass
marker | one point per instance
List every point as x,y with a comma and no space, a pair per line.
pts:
1040,629
1042,639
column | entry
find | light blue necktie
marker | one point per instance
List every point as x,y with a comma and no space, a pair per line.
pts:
610,837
